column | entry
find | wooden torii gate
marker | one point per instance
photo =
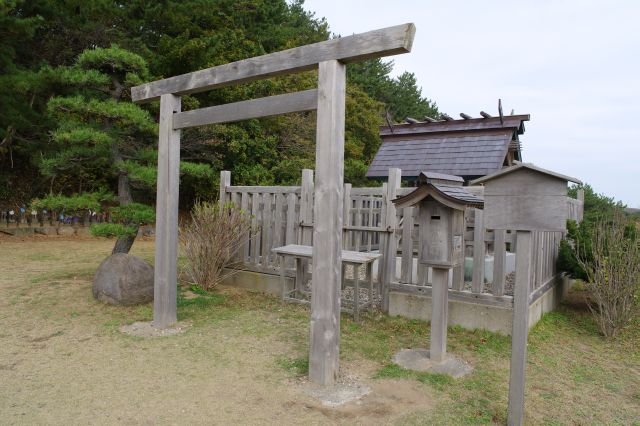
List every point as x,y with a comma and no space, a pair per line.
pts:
329,57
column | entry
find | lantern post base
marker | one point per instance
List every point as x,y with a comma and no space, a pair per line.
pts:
420,360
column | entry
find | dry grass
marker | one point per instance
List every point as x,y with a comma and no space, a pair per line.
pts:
63,361
211,239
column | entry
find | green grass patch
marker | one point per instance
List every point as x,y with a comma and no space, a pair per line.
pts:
296,366
393,371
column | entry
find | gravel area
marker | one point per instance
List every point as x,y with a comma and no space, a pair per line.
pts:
509,281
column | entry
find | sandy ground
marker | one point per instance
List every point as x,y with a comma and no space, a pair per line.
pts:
63,359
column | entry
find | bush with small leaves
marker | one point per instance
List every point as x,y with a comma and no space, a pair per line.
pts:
611,262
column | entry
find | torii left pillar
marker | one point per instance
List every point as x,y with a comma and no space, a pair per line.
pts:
166,263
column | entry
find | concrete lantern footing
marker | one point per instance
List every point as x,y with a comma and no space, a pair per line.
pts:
419,360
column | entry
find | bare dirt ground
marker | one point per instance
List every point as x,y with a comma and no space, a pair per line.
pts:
63,360
242,359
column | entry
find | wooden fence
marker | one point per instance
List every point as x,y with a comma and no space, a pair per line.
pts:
284,215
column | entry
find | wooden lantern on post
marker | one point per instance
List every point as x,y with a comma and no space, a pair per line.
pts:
525,198
442,201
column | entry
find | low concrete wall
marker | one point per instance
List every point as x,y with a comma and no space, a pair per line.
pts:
468,315
474,315
256,281
465,314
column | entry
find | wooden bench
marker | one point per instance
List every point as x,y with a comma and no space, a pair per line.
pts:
354,258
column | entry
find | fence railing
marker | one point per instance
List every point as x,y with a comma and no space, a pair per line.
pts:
284,215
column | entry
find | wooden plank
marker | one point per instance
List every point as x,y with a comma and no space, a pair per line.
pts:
378,190
166,255
373,44
256,225
477,283
370,221
499,262
278,231
346,216
439,314
324,346
546,285
244,110
462,296
290,234
391,248
359,228
531,212
271,189
347,256
422,268
357,222
407,246
267,227
515,415
306,206
244,205
457,274
225,181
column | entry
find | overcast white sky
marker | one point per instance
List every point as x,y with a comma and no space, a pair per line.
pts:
573,65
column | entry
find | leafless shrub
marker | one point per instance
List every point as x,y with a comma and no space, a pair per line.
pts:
211,241
612,264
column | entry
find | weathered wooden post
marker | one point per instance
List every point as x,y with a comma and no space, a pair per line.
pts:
225,181
528,199
388,269
166,260
327,231
442,201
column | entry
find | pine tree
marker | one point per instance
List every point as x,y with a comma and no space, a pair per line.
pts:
103,140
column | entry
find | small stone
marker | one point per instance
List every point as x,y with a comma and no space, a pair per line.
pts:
66,230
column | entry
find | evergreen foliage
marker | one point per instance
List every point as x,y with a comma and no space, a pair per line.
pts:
64,89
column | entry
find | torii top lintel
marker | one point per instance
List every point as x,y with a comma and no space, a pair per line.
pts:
358,47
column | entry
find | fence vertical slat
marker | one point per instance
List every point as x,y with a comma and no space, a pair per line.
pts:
255,224
499,262
457,275
421,271
534,260
370,218
225,181
290,234
346,216
477,281
244,205
407,246
391,246
306,207
267,228
357,221
278,231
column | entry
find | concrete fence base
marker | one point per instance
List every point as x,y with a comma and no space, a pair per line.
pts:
468,315
471,315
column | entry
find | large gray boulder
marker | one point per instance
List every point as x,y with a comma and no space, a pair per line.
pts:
123,279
